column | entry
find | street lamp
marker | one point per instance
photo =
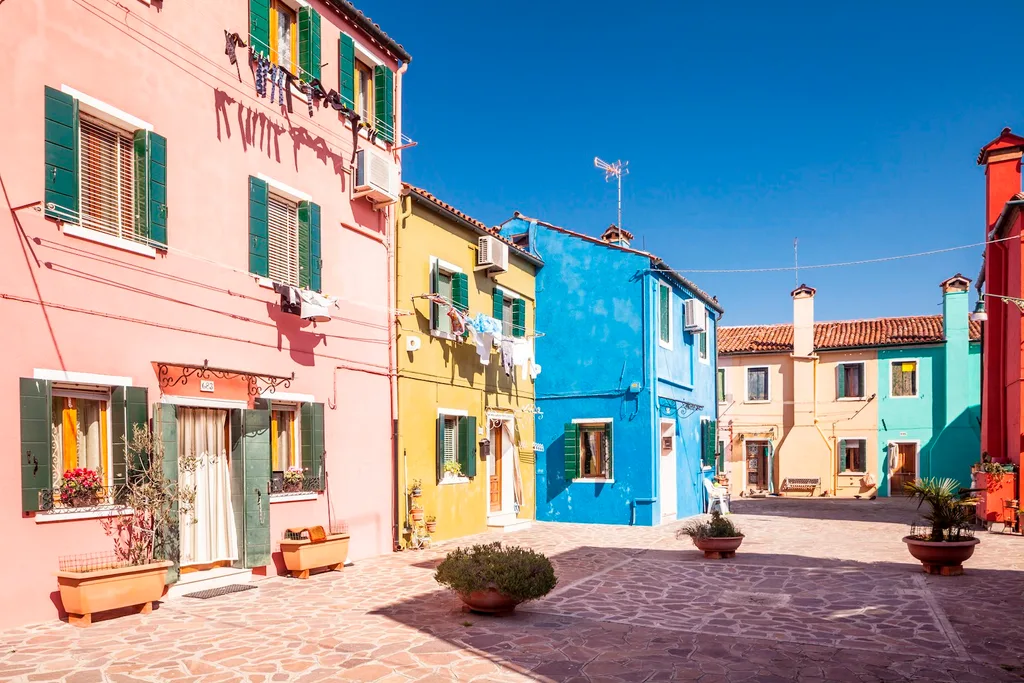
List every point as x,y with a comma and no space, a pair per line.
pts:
981,315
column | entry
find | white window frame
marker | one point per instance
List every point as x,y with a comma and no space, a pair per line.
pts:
768,384
508,295
704,357
610,479
863,381
917,379
852,473
287,191
661,342
725,385
451,269
458,414
75,391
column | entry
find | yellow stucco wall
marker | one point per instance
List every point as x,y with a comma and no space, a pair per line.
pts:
448,374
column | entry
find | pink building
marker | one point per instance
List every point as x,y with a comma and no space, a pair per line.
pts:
151,200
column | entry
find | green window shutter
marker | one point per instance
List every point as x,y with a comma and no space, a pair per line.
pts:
165,431
460,291
712,441
498,305
61,153
439,455
129,408
467,445
518,318
255,462
309,43
571,443
36,441
259,26
664,323
347,70
151,186
259,245
309,245
435,309
609,445
841,380
312,434
841,454
384,104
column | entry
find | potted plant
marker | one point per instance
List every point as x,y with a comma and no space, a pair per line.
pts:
80,487
145,532
314,551
431,524
293,477
716,537
491,579
948,540
452,469
416,490
416,513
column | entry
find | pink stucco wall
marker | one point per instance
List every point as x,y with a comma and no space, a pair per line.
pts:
112,312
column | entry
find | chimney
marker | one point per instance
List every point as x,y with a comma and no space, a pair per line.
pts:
1001,159
616,235
956,331
803,321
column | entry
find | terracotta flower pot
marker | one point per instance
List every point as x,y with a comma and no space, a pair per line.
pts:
431,527
85,593
416,492
718,548
416,515
942,557
489,601
302,555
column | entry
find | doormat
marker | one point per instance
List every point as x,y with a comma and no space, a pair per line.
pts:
223,590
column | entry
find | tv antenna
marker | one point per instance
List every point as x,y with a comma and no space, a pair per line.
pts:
616,170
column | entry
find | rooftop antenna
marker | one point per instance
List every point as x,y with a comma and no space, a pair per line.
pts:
796,264
616,170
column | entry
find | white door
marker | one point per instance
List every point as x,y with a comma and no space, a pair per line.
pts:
667,448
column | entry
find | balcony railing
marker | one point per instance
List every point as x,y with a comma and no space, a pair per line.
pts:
279,487
105,498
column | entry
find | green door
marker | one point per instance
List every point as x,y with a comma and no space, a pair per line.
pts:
250,484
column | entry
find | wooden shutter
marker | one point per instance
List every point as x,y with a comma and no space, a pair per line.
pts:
254,448
285,242
571,444
712,440
518,318
259,26
129,408
467,445
309,43
439,455
151,186
61,154
841,380
309,245
460,291
36,441
435,309
498,305
347,71
384,106
259,255
841,454
167,544
312,436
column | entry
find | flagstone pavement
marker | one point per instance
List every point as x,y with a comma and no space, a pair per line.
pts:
822,590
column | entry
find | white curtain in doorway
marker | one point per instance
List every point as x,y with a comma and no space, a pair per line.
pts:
208,535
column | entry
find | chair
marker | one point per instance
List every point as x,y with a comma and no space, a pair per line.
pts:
717,495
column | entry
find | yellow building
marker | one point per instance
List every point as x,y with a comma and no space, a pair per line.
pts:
465,421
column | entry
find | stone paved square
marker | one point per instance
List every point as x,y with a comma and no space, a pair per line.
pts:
821,590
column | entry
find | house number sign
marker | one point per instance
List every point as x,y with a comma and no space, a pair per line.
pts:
206,385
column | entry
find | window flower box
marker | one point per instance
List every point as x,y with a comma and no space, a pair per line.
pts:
83,593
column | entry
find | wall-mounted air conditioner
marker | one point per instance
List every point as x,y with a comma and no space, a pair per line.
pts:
695,316
491,255
376,177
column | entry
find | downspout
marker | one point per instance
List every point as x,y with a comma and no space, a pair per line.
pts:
979,284
400,476
647,374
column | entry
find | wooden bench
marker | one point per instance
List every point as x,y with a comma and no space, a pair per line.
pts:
809,484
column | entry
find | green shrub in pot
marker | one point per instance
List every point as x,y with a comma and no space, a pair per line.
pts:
517,573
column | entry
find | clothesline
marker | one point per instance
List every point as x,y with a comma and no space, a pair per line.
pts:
448,302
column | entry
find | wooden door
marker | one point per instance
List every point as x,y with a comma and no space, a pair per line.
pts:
495,473
757,464
902,466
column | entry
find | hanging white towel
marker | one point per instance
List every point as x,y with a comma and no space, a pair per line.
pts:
484,344
315,306
522,352
534,370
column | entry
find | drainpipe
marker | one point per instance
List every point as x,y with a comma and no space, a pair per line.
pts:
639,501
400,476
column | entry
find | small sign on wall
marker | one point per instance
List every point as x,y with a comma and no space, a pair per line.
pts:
538,447
206,385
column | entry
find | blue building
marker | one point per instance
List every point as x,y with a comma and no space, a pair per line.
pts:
627,390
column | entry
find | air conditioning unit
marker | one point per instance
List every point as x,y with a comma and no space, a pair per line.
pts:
376,177
695,316
491,255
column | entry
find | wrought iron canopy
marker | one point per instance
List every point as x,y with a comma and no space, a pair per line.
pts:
679,407
257,382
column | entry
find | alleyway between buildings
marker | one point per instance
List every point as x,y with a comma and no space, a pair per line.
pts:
822,590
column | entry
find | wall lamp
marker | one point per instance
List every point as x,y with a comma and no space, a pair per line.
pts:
981,315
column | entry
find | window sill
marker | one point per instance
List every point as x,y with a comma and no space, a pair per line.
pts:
593,480
101,513
264,282
438,334
914,396
852,398
110,241
665,345
853,474
453,480
755,402
293,497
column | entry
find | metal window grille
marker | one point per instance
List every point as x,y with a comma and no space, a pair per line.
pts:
450,437
107,161
283,248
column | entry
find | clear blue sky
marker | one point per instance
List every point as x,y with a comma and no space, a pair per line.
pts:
852,126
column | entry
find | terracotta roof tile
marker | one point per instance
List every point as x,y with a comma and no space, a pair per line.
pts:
372,28
844,334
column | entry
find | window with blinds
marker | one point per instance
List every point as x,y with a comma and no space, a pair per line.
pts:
450,438
107,161
283,242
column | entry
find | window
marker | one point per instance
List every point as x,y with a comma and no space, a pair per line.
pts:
664,315
702,345
443,323
595,451
904,378
852,455
79,429
721,385
850,380
284,31
506,316
510,311
107,162
456,447
284,435
452,285
451,440
283,240
364,91
757,385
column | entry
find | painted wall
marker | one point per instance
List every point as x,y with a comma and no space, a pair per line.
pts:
449,374
115,312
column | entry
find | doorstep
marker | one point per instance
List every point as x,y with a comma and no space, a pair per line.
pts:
507,521
205,580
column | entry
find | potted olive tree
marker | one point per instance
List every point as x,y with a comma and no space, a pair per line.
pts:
948,540
145,532
491,579
716,537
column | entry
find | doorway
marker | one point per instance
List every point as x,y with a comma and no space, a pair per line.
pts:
757,465
494,465
669,503
902,466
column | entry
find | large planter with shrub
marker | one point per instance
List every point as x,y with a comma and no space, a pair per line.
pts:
490,579
945,558
717,537
947,541
301,556
86,593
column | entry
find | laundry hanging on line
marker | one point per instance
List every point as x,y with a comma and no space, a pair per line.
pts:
315,306
232,41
